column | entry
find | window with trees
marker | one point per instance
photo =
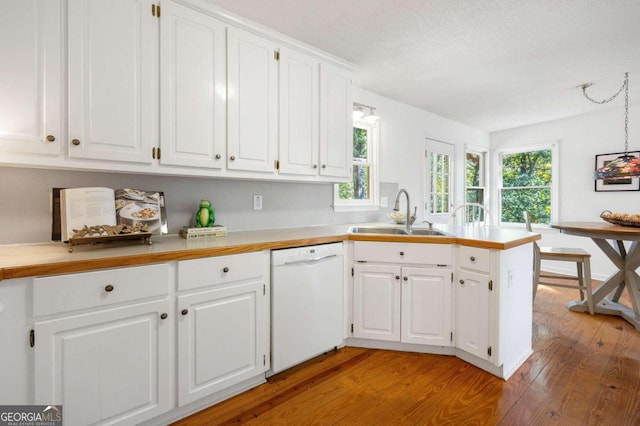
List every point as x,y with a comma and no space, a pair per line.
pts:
475,189
439,160
361,190
528,181
440,167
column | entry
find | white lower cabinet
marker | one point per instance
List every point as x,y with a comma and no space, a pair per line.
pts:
402,303
223,326
107,357
376,306
493,313
106,367
472,313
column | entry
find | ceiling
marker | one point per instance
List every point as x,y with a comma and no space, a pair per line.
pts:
490,64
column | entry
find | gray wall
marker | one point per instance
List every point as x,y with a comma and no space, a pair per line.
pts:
25,215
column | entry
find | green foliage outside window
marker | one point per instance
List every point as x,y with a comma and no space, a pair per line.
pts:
474,191
526,186
358,188
439,183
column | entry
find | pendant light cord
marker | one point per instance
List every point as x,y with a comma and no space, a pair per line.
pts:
625,86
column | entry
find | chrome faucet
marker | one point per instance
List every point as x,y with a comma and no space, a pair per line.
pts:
430,224
409,218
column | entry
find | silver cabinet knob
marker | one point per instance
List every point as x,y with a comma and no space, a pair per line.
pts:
232,158
51,138
218,156
462,282
75,142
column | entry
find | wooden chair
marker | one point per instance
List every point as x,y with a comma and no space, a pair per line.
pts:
577,255
470,213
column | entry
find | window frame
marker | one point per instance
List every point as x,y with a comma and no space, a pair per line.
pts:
554,187
372,203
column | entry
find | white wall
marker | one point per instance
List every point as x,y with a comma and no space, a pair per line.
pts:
403,132
580,139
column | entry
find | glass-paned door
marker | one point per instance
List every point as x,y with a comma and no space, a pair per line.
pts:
439,179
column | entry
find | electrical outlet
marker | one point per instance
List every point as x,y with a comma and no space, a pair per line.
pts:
384,202
509,277
257,202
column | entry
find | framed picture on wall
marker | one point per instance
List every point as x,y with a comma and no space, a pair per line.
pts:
628,184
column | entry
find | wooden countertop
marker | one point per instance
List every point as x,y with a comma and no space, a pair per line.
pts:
29,260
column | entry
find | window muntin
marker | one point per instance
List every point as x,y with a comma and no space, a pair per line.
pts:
527,185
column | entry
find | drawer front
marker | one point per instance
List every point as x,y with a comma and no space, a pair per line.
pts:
64,293
425,254
222,269
475,258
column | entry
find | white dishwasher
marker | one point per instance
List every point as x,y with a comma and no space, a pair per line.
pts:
307,303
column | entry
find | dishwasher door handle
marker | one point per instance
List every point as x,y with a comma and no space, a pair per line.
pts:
312,260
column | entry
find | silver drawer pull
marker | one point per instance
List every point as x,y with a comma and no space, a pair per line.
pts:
462,282
472,258
108,288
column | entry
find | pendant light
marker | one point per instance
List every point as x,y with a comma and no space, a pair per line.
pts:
626,165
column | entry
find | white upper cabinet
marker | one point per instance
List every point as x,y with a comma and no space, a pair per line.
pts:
299,113
192,88
168,87
336,122
252,102
31,77
112,79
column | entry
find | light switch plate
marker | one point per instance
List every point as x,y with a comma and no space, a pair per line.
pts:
257,202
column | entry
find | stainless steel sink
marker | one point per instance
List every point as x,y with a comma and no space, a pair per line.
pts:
376,230
393,231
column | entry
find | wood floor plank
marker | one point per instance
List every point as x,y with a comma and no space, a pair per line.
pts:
585,370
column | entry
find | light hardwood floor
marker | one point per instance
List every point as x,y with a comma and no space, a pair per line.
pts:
585,370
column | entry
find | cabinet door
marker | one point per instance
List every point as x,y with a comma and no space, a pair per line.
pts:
221,338
336,122
192,87
472,313
112,365
299,113
376,298
30,77
252,102
426,306
112,79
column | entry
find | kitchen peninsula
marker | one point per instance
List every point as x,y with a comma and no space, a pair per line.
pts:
125,312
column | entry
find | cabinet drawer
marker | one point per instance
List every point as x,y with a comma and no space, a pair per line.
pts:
426,254
64,293
219,270
475,258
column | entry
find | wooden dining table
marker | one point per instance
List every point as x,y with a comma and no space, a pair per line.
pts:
610,239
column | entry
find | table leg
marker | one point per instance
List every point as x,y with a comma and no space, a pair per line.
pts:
625,277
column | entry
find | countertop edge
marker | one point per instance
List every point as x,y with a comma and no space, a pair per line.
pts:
82,265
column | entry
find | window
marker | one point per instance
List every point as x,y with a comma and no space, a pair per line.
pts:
440,173
528,183
439,194
475,189
361,192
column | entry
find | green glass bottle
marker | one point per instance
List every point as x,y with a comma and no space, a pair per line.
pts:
205,216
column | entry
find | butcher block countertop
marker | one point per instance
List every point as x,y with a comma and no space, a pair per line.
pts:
30,260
